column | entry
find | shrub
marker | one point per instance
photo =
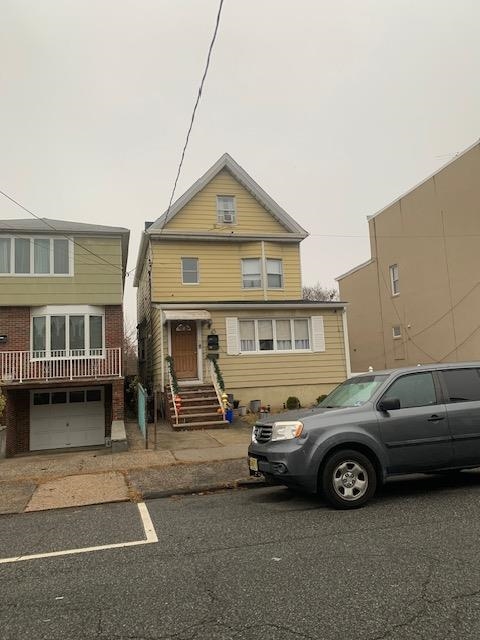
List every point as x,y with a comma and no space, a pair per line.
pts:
3,402
322,397
293,402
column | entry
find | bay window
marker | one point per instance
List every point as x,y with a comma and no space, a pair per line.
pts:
274,335
37,256
75,333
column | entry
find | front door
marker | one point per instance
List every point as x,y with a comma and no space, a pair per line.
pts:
184,349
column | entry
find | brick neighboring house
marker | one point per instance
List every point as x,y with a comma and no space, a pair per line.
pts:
61,333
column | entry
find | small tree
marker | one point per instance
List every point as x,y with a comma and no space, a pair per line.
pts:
129,349
3,403
319,293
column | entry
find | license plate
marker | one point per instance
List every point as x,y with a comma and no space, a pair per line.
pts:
253,464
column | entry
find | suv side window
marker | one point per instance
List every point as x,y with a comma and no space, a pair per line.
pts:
463,385
413,390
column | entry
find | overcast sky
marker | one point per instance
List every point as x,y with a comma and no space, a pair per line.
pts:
334,108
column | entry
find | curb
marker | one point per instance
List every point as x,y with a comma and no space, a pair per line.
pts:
236,484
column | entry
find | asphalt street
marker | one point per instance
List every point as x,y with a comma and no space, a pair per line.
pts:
251,564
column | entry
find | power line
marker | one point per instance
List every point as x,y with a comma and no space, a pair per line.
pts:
44,221
192,119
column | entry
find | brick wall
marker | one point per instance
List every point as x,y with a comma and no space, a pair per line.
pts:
113,326
15,324
18,421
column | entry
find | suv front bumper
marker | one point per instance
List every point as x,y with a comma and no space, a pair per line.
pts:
282,463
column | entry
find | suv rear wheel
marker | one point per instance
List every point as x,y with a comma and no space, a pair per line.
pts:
348,479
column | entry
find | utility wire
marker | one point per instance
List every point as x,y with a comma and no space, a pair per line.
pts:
192,119
44,221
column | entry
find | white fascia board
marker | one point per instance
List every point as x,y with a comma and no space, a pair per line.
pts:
142,251
218,306
227,162
219,237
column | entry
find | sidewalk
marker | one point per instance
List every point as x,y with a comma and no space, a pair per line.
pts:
182,462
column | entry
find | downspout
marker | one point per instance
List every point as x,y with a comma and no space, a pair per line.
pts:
346,343
377,258
264,272
162,351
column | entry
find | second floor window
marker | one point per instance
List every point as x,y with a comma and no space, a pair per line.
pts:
63,335
35,256
252,273
252,276
274,273
226,213
394,279
190,271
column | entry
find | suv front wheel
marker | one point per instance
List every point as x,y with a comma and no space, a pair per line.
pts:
348,479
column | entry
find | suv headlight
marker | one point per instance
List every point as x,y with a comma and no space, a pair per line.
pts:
286,430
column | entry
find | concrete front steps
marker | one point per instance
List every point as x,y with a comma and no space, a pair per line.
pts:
199,409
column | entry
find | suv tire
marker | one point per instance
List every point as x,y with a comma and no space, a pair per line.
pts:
348,479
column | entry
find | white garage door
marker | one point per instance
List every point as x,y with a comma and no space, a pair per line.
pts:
62,418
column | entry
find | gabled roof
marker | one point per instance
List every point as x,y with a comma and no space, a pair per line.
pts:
225,162
228,163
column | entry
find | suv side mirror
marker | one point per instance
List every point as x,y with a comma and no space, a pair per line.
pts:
389,404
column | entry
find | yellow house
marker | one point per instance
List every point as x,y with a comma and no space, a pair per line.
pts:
417,299
219,278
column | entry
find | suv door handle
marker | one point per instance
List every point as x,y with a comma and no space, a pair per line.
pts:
435,418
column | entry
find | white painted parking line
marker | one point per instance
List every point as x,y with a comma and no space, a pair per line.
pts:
150,538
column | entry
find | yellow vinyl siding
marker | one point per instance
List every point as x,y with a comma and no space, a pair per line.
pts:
93,282
278,375
220,271
273,375
200,214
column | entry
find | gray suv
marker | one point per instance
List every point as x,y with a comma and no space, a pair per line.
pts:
373,426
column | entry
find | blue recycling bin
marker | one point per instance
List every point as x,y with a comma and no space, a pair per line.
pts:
229,415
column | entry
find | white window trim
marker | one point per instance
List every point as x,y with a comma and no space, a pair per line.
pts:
221,212
182,258
76,310
275,350
243,275
32,274
392,281
263,273
281,287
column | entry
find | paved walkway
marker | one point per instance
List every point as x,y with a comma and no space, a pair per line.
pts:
180,462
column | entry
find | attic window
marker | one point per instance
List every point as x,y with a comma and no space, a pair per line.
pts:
226,213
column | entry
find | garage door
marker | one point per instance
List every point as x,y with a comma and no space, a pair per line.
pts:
62,418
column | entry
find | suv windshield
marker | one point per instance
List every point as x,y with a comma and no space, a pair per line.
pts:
353,392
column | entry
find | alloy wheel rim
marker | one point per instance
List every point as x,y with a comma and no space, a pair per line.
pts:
350,480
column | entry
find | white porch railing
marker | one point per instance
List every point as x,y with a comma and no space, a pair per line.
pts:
22,366
170,379
216,386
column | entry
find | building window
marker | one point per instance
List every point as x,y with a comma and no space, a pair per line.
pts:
274,273
274,335
397,331
190,271
394,280
36,256
252,273
68,335
226,213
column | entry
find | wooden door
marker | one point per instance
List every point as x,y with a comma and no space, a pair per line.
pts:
184,348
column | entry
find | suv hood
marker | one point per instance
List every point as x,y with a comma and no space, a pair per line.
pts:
304,415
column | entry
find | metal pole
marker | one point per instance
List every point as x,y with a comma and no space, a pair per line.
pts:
155,410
